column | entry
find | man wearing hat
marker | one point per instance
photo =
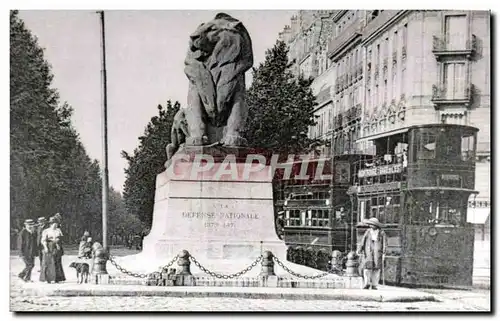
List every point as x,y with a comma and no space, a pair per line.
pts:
373,247
42,225
28,249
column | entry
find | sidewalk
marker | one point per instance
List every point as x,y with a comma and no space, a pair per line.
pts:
384,294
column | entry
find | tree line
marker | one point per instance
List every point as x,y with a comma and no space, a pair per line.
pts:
50,170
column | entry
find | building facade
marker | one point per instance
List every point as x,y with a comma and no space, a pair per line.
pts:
377,72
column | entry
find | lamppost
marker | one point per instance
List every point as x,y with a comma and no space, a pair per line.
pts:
101,255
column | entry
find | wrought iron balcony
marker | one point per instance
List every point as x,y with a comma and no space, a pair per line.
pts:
440,47
441,96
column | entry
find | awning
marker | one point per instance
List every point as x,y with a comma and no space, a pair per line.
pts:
383,134
478,215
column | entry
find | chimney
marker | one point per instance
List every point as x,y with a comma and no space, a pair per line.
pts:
294,25
285,35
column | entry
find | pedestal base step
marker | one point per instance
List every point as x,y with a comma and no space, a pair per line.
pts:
248,282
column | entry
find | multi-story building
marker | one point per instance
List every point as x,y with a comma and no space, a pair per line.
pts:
377,72
308,38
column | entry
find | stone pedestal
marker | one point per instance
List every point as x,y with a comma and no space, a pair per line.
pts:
223,213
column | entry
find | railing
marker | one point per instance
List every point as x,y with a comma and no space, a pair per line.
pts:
439,93
441,46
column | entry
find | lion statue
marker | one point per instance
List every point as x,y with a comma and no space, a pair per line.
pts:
219,54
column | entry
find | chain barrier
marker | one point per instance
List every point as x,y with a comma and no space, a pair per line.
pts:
298,274
225,276
139,275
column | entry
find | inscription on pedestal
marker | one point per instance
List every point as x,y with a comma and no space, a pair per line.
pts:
221,217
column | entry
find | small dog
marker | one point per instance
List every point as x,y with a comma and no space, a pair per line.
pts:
82,271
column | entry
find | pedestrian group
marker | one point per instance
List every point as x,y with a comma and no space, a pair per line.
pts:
43,239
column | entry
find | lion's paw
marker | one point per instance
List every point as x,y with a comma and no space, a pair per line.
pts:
234,141
197,141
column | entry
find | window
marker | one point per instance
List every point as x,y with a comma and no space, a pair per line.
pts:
369,98
427,146
330,118
364,210
468,148
325,121
403,80
386,90
386,47
320,125
455,32
375,95
374,14
394,84
292,218
377,54
405,35
395,41
319,218
454,80
449,212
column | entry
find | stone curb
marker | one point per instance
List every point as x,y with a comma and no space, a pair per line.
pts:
220,292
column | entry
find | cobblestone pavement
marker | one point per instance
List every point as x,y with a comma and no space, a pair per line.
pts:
452,300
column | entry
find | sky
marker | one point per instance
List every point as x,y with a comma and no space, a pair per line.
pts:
145,53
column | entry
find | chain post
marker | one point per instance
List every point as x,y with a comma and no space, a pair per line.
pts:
352,264
267,264
184,263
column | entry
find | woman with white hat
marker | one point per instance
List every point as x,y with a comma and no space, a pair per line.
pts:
373,247
52,269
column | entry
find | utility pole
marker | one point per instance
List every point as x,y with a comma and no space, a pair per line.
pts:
104,120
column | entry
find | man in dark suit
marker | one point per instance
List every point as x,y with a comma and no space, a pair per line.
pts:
42,225
28,249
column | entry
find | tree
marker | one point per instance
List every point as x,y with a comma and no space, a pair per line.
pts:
146,162
280,105
50,170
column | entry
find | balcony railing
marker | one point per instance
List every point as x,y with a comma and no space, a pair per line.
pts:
440,47
441,95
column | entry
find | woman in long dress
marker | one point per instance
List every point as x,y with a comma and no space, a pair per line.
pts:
52,270
373,247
